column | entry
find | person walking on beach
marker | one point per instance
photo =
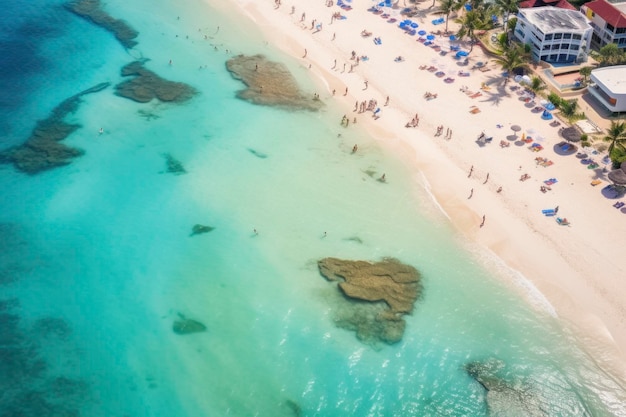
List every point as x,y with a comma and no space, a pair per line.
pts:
471,194
346,93
486,179
305,52
470,172
365,82
483,222
355,148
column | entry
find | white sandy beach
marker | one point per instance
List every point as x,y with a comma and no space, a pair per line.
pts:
578,267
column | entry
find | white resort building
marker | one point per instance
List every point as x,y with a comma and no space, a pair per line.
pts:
556,36
608,20
608,86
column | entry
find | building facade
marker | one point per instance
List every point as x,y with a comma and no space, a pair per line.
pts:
608,86
556,36
608,21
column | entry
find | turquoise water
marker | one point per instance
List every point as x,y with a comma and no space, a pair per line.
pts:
102,246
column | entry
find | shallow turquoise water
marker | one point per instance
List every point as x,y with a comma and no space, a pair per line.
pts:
103,244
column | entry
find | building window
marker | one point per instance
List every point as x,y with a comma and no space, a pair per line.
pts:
610,27
558,35
554,46
553,57
567,36
620,30
565,46
575,47
545,47
577,37
549,37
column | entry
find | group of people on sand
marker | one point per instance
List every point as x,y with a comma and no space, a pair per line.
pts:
345,121
429,96
363,106
440,132
415,121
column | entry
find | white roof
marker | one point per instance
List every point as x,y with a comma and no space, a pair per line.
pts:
550,19
613,78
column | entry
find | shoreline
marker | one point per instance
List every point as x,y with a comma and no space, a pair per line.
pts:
575,267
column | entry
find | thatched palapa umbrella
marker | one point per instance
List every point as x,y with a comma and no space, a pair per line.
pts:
571,134
618,176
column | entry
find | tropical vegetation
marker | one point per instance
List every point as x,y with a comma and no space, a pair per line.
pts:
515,56
616,135
610,54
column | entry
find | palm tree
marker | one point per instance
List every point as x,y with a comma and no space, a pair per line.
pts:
506,8
536,85
616,134
585,72
472,21
448,6
512,58
568,108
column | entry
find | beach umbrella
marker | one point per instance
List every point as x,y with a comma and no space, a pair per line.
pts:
421,32
430,37
452,37
549,106
414,25
462,53
546,115
571,134
516,128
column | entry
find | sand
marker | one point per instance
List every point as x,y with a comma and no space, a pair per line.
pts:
577,268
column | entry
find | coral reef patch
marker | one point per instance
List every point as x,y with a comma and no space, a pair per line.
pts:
43,150
28,387
269,83
380,294
185,326
146,86
174,166
92,11
199,229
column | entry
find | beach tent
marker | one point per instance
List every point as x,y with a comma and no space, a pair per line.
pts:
546,115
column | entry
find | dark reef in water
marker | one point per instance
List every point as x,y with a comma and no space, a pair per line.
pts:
184,326
92,11
27,386
43,150
174,166
379,293
146,85
269,83
507,394
199,229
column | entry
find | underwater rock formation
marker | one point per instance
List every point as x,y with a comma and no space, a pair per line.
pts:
198,229
174,166
92,11
269,83
184,326
42,149
505,398
389,289
146,85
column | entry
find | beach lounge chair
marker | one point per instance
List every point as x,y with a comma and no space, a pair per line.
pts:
548,212
474,110
550,181
562,221
596,182
504,144
478,94
593,165
618,205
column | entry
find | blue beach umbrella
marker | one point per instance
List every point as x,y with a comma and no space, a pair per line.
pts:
452,37
462,53
421,32
430,37
468,7
414,25
550,106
